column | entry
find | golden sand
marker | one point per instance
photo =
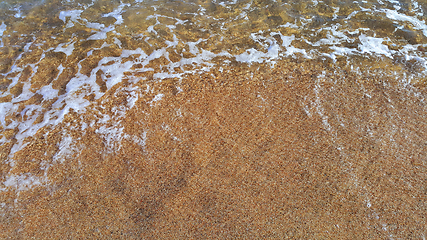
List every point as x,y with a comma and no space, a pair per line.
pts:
246,153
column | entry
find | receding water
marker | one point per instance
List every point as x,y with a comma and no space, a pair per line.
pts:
241,119
58,54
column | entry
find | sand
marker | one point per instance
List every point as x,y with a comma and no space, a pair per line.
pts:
298,151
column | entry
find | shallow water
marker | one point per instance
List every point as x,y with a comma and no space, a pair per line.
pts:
251,119
57,56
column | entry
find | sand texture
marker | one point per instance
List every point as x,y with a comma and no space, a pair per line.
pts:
298,151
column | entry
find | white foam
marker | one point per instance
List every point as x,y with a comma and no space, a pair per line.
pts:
117,13
48,92
5,108
248,6
112,136
201,58
156,98
373,45
73,14
141,141
22,182
18,13
132,100
291,50
151,29
193,46
174,43
166,75
101,34
287,40
416,23
417,8
94,25
3,28
111,128
252,55
333,36
66,149
68,49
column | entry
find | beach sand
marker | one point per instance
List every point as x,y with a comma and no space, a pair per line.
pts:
298,151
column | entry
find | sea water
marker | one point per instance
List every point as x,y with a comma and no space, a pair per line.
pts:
64,57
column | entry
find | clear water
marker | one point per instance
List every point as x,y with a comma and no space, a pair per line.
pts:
62,57
55,53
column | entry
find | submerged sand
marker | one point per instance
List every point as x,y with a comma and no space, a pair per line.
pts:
298,151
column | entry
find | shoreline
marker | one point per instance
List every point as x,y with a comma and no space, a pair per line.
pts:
295,151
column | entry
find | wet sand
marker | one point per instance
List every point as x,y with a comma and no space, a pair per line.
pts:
299,151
